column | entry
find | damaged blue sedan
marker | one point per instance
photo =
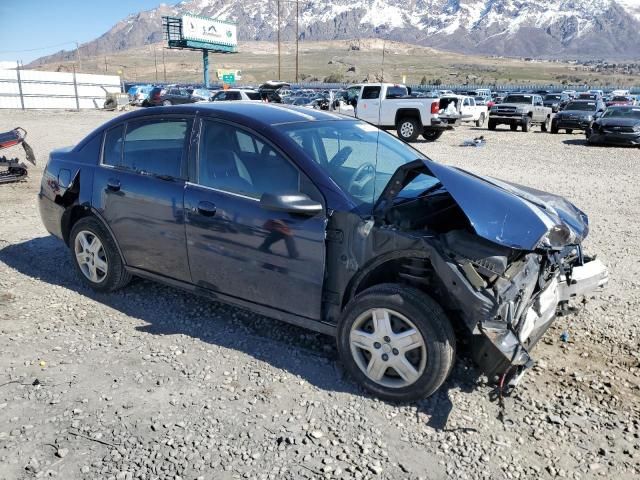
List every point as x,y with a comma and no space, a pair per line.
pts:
328,223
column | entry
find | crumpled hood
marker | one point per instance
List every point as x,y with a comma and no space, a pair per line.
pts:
501,212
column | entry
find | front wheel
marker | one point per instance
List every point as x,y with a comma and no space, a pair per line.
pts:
408,129
397,342
526,124
480,121
432,135
492,124
569,131
554,127
513,127
96,257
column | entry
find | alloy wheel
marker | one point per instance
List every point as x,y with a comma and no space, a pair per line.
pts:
388,348
406,129
91,256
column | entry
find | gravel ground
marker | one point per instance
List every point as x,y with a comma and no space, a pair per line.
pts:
154,383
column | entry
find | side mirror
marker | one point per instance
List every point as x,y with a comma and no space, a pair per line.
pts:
297,203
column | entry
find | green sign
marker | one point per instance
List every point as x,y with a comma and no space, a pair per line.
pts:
228,78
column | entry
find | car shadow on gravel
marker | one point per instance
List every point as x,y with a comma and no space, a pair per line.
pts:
575,141
169,311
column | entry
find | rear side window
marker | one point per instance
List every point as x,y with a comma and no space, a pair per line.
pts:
112,152
370,93
156,147
253,95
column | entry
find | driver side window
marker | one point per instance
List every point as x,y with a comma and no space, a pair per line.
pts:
234,160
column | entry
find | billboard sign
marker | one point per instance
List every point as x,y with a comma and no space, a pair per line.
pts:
209,30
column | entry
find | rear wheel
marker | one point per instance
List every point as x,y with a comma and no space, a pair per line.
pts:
397,342
432,135
480,121
408,129
96,257
569,131
513,127
492,124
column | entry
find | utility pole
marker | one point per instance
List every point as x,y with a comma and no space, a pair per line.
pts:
78,56
278,28
155,60
164,66
297,35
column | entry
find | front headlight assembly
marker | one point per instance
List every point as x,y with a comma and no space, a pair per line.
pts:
558,237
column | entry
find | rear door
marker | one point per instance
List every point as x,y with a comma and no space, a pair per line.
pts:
368,107
139,190
235,246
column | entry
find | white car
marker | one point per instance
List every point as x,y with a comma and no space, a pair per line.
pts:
236,94
465,107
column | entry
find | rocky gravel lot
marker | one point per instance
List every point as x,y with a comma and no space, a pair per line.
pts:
154,383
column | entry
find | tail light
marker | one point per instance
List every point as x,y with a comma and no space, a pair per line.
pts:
435,107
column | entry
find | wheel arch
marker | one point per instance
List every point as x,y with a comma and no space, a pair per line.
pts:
408,113
75,213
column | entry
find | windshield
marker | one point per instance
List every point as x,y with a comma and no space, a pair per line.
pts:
518,99
622,113
347,151
586,106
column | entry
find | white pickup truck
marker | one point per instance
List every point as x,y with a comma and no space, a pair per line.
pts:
466,108
389,106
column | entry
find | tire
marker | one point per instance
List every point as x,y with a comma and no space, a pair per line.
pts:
115,276
545,126
480,121
569,131
426,365
110,104
554,127
408,129
167,103
513,127
492,124
432,135
526,124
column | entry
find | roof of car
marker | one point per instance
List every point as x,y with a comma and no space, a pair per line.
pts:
249,111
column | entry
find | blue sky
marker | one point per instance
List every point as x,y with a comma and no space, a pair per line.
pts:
34,24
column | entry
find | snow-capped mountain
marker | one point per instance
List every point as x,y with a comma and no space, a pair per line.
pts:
534,28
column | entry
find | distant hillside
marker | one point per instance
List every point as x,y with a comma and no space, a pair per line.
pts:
518,28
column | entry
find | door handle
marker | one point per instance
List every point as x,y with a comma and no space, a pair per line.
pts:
206,209
113,184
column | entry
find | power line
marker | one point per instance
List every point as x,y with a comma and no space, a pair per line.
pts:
36,49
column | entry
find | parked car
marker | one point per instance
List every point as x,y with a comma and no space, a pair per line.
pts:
326,222
555,101
170,96
466,108
389,106
618,125
138,94
589,96
520,110
620,100
235,94
200,94
577,115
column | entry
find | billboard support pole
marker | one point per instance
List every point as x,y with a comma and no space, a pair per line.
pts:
205,67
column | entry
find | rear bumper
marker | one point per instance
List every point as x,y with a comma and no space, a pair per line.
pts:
51,215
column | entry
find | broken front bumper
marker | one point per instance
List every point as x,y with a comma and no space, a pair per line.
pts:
499,348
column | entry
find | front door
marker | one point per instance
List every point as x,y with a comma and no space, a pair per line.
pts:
139,190
235,246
